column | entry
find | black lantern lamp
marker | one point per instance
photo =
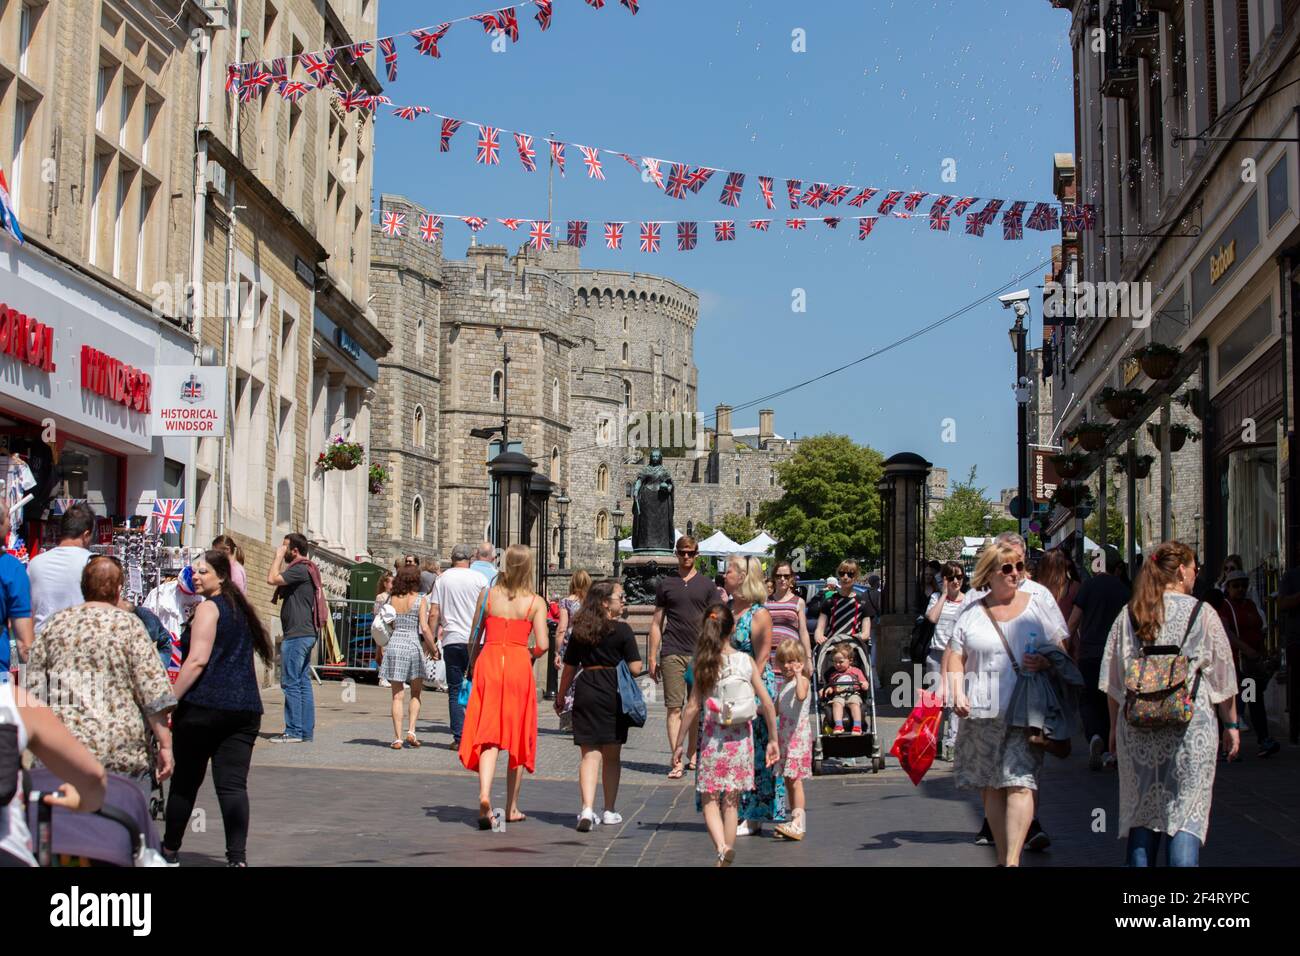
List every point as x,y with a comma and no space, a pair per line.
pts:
562,509
513,473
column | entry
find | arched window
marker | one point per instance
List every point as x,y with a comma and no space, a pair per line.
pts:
602,480
419,338
674,398
690,529
497,381
418,433
737,476
626,353
417,518
602,526
555,396
627,394
555,464
771,479
625,323
748,509
603,431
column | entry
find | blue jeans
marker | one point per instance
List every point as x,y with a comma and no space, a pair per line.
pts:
456,657
1144,847
295,681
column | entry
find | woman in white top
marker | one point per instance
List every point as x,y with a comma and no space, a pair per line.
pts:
41,732
996,759
942,612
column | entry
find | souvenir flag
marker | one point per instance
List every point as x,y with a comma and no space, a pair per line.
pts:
1043,217
838,194
797,223
394,224
698,178
765,184
557,155
959,209
293,90
913,200
430,227
649,237
1089,216
865,225
60,506
389,49
989,212
678,179
832,222
792,188
816,195
426,41
489,149
1071,218
724,230
862,198
732,189
360,50
321,70
543,15
279,72
630,4
539,237
653,171
411,112
577,233
1011,226
614,235
168,514
687,233
232,78
475,223
975,224
762,225
890,201
527,155
511,224
354,99
591,159
449,127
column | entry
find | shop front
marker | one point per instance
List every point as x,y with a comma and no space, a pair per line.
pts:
77,366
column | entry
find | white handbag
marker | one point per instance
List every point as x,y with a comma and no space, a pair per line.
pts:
381,629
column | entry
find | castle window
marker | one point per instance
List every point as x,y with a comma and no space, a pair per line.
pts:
737,476
497,381
555,396
419,338
771,479
555,464
627,394
602,480
625,323
418,436
749,509
626,353
417,518
602,526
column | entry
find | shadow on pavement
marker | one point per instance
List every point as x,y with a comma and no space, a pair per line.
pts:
896,838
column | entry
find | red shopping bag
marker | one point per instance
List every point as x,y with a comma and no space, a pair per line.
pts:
917,739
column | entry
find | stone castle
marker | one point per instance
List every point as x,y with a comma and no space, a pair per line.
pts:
589,352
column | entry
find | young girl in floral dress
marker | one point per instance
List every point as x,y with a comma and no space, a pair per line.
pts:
726,758
796,733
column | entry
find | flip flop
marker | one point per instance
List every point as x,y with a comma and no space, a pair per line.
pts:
395,745
691,765
485,815
412,741
519,819
677,772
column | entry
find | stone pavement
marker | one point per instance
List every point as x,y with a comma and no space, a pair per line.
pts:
346,799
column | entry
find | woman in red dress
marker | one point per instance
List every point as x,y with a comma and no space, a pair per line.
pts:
502,711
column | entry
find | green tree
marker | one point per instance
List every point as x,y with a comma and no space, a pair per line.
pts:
1114,522
738,528
962,514
830,508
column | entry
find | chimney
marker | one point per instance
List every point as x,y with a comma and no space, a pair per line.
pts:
725,441
766,429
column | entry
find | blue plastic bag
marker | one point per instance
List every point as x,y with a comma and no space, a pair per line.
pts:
463,697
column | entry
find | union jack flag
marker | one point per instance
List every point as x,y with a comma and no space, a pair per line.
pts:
815,195
389,49
527,155
941,203
989,212
913,200
687,233
253,82
630,160
1071,218
411,112
890,201
539,237
279,72
489,149
475,223
232,78
543,16
797,223
60,506
732,189
591,158
959,209
832,222
631,5
838,194
511,224
765,184
762,225
614,235
865,225
168,514
724,230
652,172
293,90
359,50
975,224
508,23
426,41
862,198
320,69
394,224
354,99
557,154
1043,217
1089,216
649,237
679,179
940,220
793,188
577,233
596,3
699,177
430,227
1011,226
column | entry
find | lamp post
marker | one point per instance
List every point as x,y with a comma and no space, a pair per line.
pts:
562,508
617,515
513,473
1018,334
988,530
886,552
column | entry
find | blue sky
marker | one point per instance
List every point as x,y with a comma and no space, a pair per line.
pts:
883,95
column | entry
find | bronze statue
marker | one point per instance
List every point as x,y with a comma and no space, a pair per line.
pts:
652,507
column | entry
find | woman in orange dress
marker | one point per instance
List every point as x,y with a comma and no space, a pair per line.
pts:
502,711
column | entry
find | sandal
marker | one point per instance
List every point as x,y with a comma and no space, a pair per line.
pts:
676,772
519,819
411,740
485,815
726,856
691,766
395,745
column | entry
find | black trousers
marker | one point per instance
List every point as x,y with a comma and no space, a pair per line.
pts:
225,738
1094,705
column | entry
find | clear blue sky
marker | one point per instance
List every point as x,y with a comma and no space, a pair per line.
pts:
884,94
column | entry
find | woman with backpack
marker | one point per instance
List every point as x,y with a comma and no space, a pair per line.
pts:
599,643
1167,740
727,687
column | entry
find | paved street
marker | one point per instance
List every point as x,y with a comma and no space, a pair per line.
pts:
347,799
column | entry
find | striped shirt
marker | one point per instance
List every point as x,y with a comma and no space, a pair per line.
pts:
785,623
844,614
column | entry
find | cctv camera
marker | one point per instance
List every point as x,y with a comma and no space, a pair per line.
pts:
1012,298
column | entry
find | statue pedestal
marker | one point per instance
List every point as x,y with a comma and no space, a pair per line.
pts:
642,573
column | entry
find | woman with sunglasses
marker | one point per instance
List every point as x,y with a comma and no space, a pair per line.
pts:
942,612
991,644
789,614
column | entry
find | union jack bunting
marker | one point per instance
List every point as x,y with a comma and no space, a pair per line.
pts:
232,78
959,209
990,211
940,219
761,225
489,149
1072,218
430,227
449,127
838,194
539,237
832,222
321,70
475,223
816,195
793,190
1012,227
411,112
678,179
591,159
1017,209
862,198
293,90
505,22
354,99
253,82
511,224
279,72
168,515
699,177
527,155
890,201
543,15
941,203
1043,217
913,200
577,233
649,237
630,160
765,185
975,224
687,233
426,41
724,230
631,5
394,224
1089,216
797,223
60,506
732,189
653,171
389,49
614,235
376,100
596,3
865,225
359,50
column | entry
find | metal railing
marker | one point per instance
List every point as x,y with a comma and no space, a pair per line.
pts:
355,652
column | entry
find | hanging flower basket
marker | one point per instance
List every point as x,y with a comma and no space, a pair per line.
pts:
379,476
1091,436
340,455
1158,360
1069,465
1178,435
1071,494
1122,403
1142,465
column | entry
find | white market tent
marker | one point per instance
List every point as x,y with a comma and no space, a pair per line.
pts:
718,545
626,543
760,546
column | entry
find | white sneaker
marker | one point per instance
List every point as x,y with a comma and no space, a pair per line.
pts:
611,818
587,820
383,682
746,829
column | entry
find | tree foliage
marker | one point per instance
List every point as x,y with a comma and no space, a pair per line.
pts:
962,514
1114,522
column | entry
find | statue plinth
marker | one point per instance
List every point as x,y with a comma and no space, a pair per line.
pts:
642,572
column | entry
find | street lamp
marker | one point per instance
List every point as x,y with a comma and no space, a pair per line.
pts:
988,530
562,509
1018,333
513,472
617,515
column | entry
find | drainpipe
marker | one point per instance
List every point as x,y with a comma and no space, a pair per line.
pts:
231,292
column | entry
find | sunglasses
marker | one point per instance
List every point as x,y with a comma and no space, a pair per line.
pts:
1017,567
779,575
687,554
846,574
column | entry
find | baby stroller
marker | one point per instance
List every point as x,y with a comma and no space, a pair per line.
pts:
118,834
842,747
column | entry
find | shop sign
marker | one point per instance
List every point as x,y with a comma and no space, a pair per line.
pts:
1045,477
349,345
25,339
116,381
1237,241
189,401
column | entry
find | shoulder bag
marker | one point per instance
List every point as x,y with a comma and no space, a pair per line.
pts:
1156,691
381,628
1057,748
629,694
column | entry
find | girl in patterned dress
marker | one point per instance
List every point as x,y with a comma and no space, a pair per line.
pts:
726,756
796,733
404,658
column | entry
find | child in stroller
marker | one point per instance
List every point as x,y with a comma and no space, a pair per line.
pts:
844,686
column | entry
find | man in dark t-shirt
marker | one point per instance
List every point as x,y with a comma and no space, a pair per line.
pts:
680,603
296,581
1100,600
